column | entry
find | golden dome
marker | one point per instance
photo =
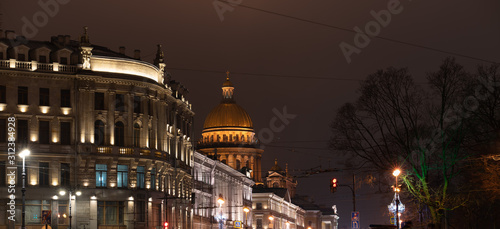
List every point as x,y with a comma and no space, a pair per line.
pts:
228,114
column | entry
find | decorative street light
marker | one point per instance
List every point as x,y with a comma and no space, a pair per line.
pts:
396,206
62,193
271,220
24,154
220,217
246,210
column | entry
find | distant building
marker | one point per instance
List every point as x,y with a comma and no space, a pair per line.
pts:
228,135
317,217
212,180
279,178
113,127
273,208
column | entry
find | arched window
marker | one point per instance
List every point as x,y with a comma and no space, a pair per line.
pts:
99,132
137,135
119,134
238,164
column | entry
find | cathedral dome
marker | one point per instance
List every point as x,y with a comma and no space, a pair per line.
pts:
228,114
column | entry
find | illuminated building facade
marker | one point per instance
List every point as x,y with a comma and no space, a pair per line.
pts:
213,180
228,135
111,126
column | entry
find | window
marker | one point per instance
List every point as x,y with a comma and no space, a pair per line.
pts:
65,133
141,210
137,135
64,60
99,132
153,178
119,102
44,132
137,104
33,209
110,212
122,176
42,59
43,174
99,101
63,218
65,98
238,164
140,176
44,97
101,175
119,134
3,130
22,131
21,57
65,174
3,94
259,206
22,95
259,223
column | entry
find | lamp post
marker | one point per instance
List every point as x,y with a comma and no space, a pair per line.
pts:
246,210
220,201
396,189
62,193
271,219
24,154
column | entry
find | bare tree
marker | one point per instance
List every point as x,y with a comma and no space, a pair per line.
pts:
396,123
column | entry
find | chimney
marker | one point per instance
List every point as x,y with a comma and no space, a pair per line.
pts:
137,54
67,39
122,50
10,34
60,39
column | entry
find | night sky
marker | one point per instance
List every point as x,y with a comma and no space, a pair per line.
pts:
282,53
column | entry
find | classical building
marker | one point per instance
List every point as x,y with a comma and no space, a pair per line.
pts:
279,178
273,208
213,180
228,135
111,131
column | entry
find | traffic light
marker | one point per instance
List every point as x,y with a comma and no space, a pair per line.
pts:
165,225
333,185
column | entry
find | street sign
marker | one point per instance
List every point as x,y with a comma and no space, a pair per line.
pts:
354,220
46,218
237,224
393,220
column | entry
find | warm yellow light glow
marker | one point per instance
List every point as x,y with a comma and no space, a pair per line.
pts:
78,193
2,106
220,201
33,182
44,109
112,185
62,192
287,224
85,184
23,108
131,198
246,209
150,199
54,139
55,197
93,197
82,138
33,138
271,218
309,227
54,183
125,66
396,172
148,186
25,153
65,110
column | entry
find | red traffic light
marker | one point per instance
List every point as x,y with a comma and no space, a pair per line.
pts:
333,185
165,225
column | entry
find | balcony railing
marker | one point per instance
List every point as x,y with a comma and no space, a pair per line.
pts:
35,66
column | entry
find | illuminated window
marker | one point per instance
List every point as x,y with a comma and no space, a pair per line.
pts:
140,176
33,209
122,176
101,175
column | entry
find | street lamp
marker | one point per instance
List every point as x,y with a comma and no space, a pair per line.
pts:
271,220
396,189
62,193
220,201
24,154
246,210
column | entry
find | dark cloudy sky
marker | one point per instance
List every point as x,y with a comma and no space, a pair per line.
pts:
270,45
